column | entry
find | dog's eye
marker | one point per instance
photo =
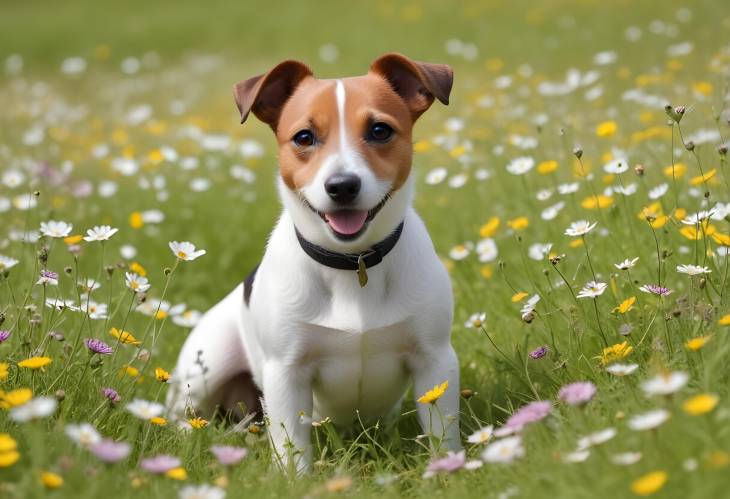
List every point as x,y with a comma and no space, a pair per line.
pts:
303,138
380,132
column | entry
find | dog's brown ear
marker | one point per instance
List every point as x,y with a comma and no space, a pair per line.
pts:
266,94
418,83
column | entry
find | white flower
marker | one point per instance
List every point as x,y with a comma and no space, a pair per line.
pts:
626,458
596,438
48,277
568,188
185,250
580,228
136,282
697,218
189,318
720,211
521,165
458,180
487,250
505,450
97,311
144,409
201,492
617,166
13,178
529,307
551,212
658,191
539,251
622,369
436,176
100,233
459,252
627,190
83,434
60,304
36,408
648,420
6,263
626,264
476,320
481,436
665,383
473,464
576,457
693,270
55,228
544,194
592,289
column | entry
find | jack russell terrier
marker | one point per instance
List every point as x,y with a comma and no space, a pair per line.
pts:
350,299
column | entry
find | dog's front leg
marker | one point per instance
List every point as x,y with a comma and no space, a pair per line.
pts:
288,394
440,419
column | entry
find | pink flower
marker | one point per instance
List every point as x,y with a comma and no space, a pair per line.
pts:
578,393
228,455
159,464
453,461
531,413
110,451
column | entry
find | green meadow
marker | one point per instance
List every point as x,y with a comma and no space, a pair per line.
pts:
577,189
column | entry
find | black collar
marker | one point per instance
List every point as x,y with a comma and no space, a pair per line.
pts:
351,261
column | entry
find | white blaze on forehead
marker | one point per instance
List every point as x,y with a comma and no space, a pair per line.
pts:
340,96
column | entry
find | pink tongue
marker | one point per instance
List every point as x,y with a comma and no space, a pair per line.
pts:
346,221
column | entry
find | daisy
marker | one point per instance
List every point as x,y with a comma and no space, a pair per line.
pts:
83,434
459,252
487,250
521,165
576,457
481,436
539,251
504,450
596,438
201,492
649,420
580,228
626,458
655,289
6,263
568,188
97,311
189,318
665,383
36,408
693,270
622,369
100,233
528,309
476,320
136,282
48,277
592,290
144,409
658,191
54,228
697,218
436,176
626,264
185,250
617,166
720,211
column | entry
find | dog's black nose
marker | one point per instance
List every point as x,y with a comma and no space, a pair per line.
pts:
342,187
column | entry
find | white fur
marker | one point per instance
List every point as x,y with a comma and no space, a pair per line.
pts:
315,341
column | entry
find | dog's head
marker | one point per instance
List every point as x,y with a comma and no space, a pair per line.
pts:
345,144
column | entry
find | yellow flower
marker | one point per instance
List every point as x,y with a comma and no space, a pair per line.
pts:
3,371
155,156
434,394
718,459
679,170
679,213
615,352
35,362
158,421
73,239
652,211
421,146
130,371
694,233
599,201
198,423
135,220
518,296
576,243
721,239
518,223
649,483
625,305
701,179
124,337
547,167
338,484
457,151
489,228
659,222
7,443
138,269
606,128
177,474
486,271
15,397
703,87
9,458
161,375
51,480
700,404
698,342
724,320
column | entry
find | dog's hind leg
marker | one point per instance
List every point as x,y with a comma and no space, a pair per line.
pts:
212,369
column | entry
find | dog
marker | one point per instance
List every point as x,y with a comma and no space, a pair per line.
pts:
350,301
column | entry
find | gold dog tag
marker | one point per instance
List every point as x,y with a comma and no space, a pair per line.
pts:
362,271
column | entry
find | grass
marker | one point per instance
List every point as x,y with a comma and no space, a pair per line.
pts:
502,109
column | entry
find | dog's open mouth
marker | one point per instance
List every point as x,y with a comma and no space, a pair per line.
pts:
349,224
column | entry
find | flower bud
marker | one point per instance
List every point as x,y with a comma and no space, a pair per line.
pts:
690,146
639,170
578,151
